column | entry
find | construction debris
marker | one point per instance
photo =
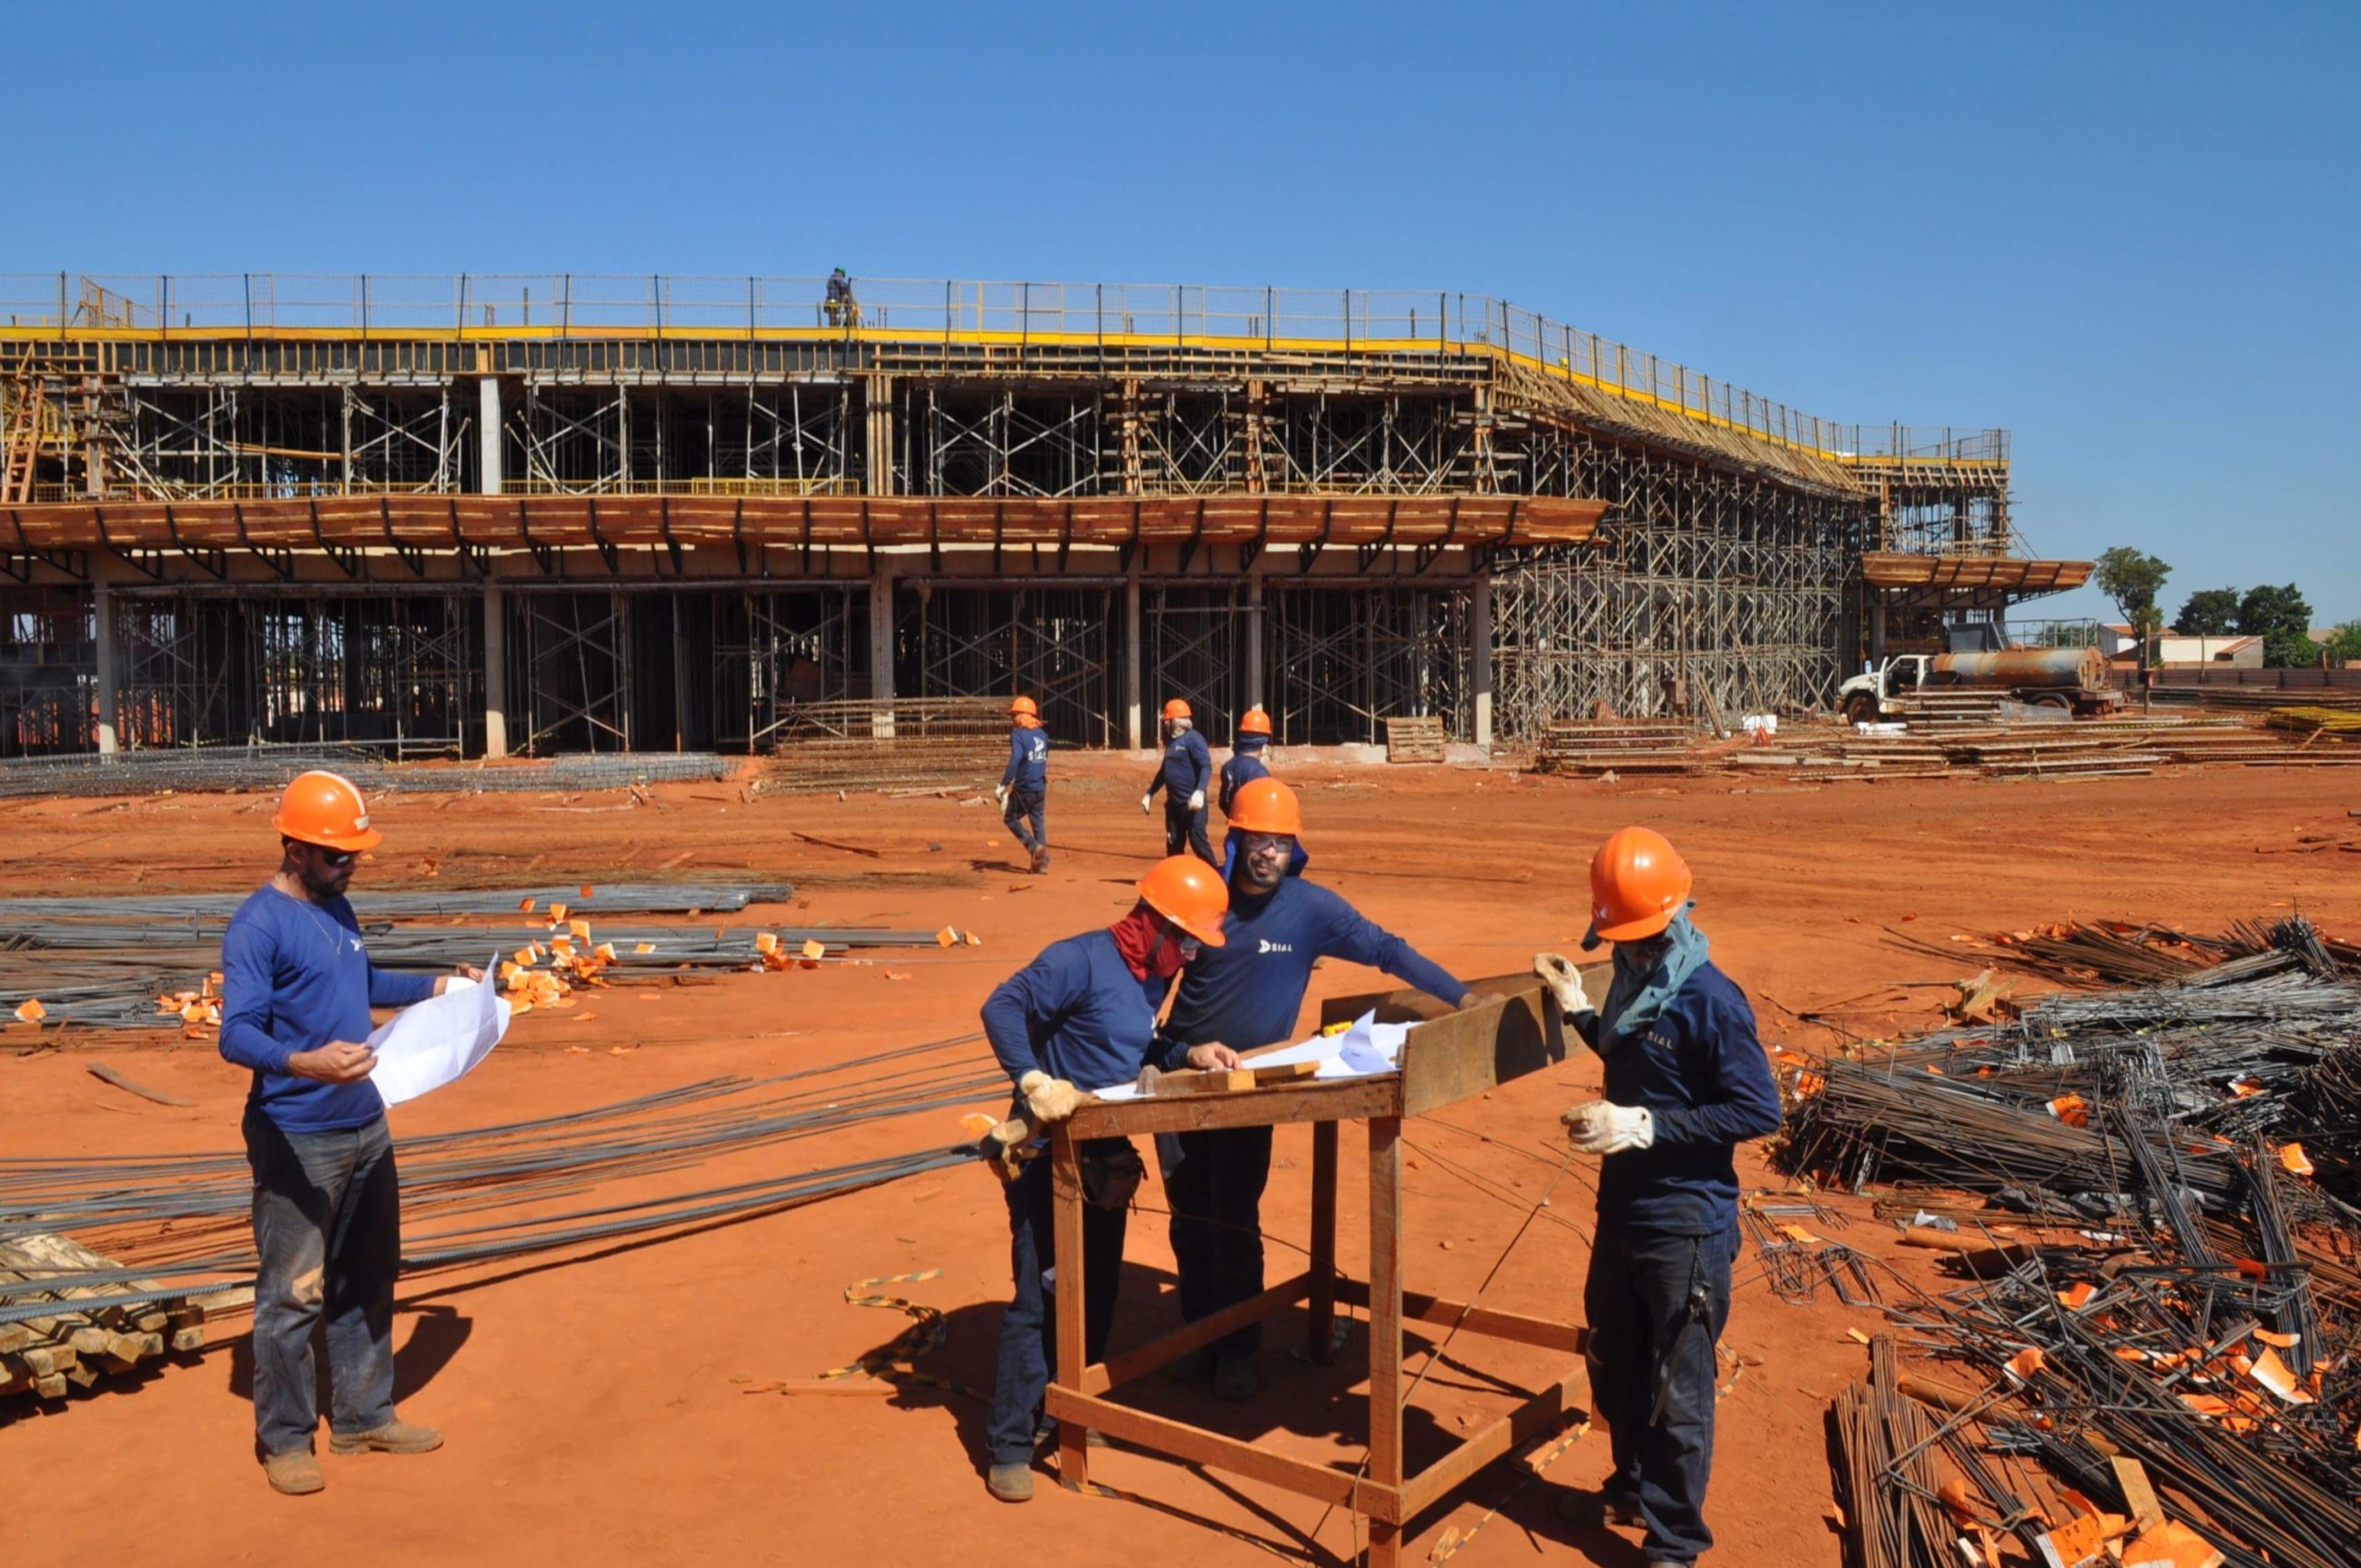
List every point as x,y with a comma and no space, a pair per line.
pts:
2161,1311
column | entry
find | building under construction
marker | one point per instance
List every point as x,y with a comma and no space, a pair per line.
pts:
505,514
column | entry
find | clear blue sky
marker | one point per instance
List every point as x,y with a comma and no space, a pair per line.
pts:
2127,233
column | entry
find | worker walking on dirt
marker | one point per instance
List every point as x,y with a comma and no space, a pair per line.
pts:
1686,1082
297,986
1183,775
1244,767
1246,992
1023,791
1080,1017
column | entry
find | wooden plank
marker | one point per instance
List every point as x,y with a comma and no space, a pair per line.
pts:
1490,1321
1074,1349
1080,1412
1327,1100
1386,1300
1320,1334
1100,1376
1528,1421
2138,1495
1159,1084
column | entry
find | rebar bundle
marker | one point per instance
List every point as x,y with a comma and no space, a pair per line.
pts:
2180,1366
227,769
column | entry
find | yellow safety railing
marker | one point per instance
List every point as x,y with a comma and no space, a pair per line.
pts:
477,307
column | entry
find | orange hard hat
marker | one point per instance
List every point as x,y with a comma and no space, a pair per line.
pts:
1638,882
1024,705
1190,894
1265,805
326,809
1254,723
1176,708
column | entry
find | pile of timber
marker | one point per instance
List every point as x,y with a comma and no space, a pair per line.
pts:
2255,699
1934,709
905,743
2064,754
1623,745
48,1355
2121,746
2316,722
1413,740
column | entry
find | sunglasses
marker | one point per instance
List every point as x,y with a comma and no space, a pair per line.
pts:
336,860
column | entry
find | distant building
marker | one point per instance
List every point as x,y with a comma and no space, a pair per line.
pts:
2172,651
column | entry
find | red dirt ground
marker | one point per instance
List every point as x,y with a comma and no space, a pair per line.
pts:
591,1406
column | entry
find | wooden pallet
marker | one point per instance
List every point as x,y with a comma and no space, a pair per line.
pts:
1413,740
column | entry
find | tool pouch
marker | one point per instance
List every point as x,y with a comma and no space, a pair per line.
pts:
1110,1172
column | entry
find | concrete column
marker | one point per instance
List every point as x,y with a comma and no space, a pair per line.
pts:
881,649
1132,656
1479,654
1877,628
1254,639
102,626
495,671
488,436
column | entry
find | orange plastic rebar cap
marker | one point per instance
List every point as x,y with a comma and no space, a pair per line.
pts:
1254,723
326,809
1638,882
1265,805
1176,708
1190,894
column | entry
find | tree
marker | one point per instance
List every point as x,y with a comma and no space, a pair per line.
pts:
2133,578
2344,645
2208,612
2280,618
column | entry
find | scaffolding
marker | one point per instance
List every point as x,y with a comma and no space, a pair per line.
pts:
569,512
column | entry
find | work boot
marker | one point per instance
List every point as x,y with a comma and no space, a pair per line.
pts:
1041,859
396,1436
295,1472
1234,1376
1191,1366
1009,1483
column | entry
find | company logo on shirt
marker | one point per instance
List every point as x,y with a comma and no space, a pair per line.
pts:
356,943
1270,947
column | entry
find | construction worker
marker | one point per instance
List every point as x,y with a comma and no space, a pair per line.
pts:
1080,1017
297,986
1686,1082
1246,992
1023,791
842,309
1187,769
1244,767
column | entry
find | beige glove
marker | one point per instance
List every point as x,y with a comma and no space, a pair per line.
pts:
1601,1127
1565,983
1049,1099
1197,801
1147,805
1006,1147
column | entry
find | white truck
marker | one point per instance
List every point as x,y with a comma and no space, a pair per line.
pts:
2075,679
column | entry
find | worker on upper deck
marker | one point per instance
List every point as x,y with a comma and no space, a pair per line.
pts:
842,309
1244,993
1183,775
1023,791
1080,1017
1686,1083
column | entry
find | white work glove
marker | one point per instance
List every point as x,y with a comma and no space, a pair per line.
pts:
1197,801
1564,982
1603,1128
1147,805
1000,795
1049,1099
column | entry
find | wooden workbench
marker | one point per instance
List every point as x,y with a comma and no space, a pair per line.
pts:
1452,1055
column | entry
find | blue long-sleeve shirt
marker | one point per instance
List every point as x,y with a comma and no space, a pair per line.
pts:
295,977
1702,1073
1242,768
1188,767
1028,760
1247,992
1076,1013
